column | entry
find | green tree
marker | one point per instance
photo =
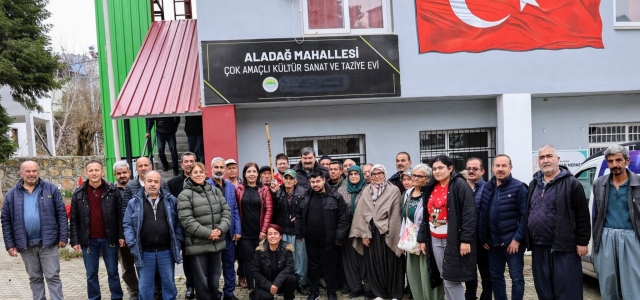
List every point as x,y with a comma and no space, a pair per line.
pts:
27,63
7,146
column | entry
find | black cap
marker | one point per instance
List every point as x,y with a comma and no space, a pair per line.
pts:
264,169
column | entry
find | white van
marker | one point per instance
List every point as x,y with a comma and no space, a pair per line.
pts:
592,168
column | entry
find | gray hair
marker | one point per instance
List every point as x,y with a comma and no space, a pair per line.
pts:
307,150
217,159
188,154
615,150
424,168
548,147
335,162
29,161
120,164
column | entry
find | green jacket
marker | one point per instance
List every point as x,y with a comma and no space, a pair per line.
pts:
203,208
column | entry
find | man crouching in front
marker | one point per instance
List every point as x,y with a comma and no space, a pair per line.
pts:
153,233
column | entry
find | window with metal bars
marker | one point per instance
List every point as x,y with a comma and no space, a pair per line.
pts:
339,147
602,136
460,144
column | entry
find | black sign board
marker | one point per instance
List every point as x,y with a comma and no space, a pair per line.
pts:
249,71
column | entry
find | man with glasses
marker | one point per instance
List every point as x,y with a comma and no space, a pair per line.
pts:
475,171
282,164
366,170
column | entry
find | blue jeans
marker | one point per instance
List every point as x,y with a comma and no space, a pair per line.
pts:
91,258
228,260
498,257
163,262
299,257
171,140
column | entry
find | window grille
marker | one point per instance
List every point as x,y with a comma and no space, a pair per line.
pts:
602,136
339,147
460,144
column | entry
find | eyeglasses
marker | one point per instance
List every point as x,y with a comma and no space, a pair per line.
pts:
377,174
418,176
475,169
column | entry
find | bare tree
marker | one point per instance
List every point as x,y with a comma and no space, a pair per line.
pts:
76,106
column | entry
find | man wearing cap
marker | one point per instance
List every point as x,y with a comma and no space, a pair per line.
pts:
286,199
232,172
307,166
265,175
325,161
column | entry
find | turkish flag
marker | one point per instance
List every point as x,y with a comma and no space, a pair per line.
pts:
449,26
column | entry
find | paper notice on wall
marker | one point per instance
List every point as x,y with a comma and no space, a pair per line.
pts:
572,159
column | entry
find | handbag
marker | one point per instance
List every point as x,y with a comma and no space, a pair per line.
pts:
409,235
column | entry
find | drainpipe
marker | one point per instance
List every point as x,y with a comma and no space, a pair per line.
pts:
112,88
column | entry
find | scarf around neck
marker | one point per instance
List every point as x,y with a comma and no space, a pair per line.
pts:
354,189
378,189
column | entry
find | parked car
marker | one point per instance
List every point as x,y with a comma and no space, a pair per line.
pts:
591,169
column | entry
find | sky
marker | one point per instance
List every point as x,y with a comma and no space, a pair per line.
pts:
74,24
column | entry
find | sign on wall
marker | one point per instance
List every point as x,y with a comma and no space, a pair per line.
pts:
249,71
450,26
572,159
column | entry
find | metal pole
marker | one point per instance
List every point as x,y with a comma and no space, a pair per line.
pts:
127,144
112,87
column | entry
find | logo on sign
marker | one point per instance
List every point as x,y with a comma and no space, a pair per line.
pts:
270,84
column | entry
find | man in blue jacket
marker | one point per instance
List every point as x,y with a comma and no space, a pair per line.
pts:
34,224
234,233
502,227
153,232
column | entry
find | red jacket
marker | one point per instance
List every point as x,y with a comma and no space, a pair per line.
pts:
267,205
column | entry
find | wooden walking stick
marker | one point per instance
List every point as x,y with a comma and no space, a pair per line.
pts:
266,125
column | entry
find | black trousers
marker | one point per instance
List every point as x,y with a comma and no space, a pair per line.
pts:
485,276
207,269
556,275
247,250
322,261
288,288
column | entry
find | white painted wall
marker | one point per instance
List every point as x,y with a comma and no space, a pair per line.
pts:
389,128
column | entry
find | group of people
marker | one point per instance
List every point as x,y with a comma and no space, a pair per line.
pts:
356,228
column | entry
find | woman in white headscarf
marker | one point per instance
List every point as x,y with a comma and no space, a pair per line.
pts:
375,232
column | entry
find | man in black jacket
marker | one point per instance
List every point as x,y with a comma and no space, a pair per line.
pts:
193,130
96,227
558,227
307,166
176,185
322,232
166,132
129,275
286,199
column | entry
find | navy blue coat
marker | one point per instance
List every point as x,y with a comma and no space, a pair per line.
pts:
511,211
53,216
132,224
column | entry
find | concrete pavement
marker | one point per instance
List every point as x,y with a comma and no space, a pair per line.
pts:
14,282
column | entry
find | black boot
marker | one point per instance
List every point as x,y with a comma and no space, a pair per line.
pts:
190,294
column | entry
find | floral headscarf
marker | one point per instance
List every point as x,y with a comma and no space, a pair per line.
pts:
378,189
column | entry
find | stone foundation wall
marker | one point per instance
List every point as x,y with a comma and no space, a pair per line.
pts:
60,170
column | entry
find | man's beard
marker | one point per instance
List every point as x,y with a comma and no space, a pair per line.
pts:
218,175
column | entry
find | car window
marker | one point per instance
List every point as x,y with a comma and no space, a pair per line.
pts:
586,178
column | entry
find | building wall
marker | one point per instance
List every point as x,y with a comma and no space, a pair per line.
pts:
461,74
129,22
388,128
564,122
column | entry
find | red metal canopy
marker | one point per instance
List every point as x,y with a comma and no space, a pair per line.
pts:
165,77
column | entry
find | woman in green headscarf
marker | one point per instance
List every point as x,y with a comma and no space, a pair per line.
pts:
352,261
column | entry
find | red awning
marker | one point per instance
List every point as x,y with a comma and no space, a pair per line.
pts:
165,77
